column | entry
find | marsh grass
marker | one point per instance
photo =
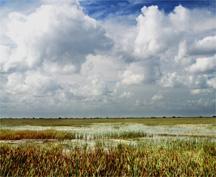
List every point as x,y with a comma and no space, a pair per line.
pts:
177,158
9,134
32,134
127,135
63,135
108,147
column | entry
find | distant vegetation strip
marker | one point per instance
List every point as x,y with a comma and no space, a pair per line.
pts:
89,121
178,158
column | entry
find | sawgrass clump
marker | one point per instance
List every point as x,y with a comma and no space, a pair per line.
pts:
177,158
127,135
33,134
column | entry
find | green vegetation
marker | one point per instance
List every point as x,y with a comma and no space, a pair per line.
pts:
177,158
89,121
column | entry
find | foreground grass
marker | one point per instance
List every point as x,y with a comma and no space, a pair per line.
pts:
177,158
89,121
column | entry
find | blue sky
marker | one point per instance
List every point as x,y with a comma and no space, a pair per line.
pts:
103,8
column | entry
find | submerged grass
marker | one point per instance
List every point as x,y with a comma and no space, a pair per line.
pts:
178,158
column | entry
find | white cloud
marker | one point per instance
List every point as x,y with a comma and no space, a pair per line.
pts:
171,80
199,91
153,36
58,55
125,95
30,83
131,78
203,65
104,66
52,32
134,74
206,45
212,82
157,97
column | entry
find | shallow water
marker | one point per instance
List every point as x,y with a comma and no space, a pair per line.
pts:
111,134
104,129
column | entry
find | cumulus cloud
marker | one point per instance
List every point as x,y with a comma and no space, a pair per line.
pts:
133,75
57,55
205,46
61,34
152,34
203,65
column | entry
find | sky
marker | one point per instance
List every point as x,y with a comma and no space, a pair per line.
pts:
107,58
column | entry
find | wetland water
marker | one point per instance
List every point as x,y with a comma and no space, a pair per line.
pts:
114,133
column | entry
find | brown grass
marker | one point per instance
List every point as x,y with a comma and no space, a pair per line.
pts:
174,159
32,134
